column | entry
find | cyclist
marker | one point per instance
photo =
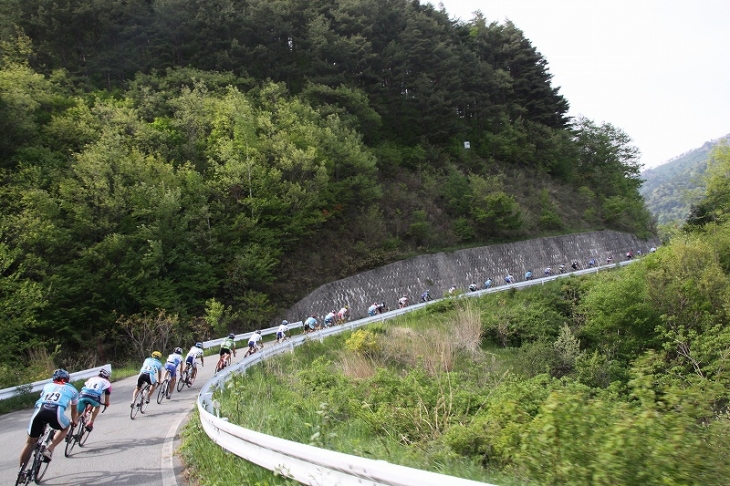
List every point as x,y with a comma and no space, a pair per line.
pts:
91,395
509,279
253,342
574,265
343,315
283,331
172,366
310,324
373,309
426,296
472,287
592,262
629,255
548,271
488,283
228,346
329,319
528,275
382,308
51,409
562,268
191,358
403,302
151,373
609,259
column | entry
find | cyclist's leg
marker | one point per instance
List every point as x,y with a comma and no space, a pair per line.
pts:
35,429
61,424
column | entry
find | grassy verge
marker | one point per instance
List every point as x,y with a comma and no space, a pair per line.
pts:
209,464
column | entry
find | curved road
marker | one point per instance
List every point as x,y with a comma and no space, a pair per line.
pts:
120,450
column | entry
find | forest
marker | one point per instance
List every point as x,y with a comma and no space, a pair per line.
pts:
173,170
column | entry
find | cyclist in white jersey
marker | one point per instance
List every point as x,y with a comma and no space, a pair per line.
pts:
91,394
173,365
194,353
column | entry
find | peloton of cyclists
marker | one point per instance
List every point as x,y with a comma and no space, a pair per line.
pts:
91,393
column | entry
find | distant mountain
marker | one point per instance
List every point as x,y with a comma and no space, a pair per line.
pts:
671,188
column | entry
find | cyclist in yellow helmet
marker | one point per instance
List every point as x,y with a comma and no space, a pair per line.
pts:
151,373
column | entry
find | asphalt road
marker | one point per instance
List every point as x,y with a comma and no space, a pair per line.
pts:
120,450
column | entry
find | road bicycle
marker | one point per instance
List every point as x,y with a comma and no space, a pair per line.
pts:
254,349
79,435
164,388
141,401
187,377
35,466
223,361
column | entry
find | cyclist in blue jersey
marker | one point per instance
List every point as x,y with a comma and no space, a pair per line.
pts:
488,283
151,372
310,324
50,409
91,394
173,365
528,275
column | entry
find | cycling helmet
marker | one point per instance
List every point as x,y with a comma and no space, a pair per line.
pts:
231,336
285,322
105,373
156,354
61,375
178,350
258,332
199,345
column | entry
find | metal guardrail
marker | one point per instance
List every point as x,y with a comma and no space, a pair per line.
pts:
314,466
6,393
304,463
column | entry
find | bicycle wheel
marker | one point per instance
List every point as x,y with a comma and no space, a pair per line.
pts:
135,407
145,400
71,438
83,435
24,475
182,379
39,465
162,390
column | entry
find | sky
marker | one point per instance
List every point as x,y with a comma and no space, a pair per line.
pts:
657,69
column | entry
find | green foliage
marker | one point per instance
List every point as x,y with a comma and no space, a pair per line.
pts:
363,342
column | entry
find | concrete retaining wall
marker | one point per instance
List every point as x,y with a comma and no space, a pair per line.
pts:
438,272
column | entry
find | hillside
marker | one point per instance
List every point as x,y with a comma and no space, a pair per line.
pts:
671,188
199,167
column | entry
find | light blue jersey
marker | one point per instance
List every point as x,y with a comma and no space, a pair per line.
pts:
58,394
150,367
